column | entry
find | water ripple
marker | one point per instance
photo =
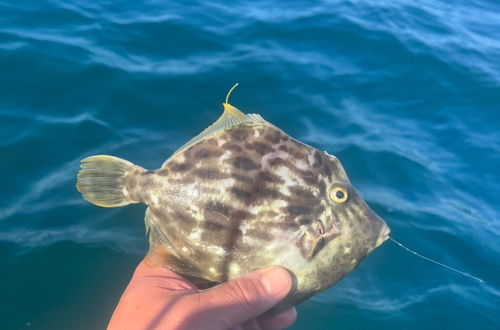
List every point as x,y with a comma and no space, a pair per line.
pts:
405,93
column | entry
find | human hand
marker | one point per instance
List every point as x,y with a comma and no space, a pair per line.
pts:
158,298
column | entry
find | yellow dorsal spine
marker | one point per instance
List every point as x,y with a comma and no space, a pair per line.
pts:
230,109
227,97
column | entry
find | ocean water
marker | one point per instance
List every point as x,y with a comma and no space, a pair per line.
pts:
405,93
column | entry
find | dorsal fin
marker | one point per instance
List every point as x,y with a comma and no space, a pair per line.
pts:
231,117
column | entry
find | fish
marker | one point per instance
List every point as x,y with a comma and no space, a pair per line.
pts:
241,196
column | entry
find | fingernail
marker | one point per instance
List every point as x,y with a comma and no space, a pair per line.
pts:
276,281
289,313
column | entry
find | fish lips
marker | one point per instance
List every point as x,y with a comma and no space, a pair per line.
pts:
384,231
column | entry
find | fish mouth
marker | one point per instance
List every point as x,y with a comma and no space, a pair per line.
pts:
386,233
384,236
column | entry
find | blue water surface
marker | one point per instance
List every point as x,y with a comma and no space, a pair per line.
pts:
405,93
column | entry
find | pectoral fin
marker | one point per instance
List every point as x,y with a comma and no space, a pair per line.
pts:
310,245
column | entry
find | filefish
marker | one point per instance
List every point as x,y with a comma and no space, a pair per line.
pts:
240,196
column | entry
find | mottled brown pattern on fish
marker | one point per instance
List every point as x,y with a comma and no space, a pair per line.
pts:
309,177
318,159
239,134
209,174
206,153
234,147
252,186
136,179
241,194
163,172
297,152
259,235
242,178
249,187
270,177
303,193
219,208
273,136
246,164
244,195
275,162
259,147
180,167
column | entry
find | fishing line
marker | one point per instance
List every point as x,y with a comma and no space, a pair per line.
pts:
438,263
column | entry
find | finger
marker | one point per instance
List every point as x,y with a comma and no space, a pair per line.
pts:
149,291
279,321
205,286
243,298
159,277
269,322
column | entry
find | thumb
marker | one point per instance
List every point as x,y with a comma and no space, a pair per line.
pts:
244,298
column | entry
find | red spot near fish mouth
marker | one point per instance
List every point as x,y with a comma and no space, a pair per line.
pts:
336,229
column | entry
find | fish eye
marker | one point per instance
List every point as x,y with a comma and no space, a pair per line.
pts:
338,194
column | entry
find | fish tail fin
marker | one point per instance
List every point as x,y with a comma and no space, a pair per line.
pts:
101,180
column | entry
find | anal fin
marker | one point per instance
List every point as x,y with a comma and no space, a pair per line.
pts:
162,256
